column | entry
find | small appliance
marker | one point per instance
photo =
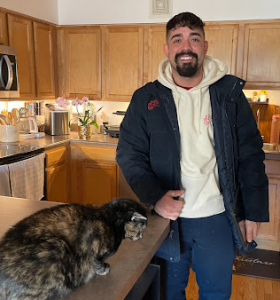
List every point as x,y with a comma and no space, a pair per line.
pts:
56,120
9,87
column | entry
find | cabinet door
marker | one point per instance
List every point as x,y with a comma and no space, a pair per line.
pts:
97,183
79,62
122,61
44,60
154,39
21,38
222,44
3,29
269,235
261,55
94,176
58,174
57,183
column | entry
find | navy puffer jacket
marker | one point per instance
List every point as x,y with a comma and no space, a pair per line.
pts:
148,154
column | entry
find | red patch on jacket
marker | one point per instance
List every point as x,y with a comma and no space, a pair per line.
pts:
152,104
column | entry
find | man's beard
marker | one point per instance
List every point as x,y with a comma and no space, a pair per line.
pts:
187,69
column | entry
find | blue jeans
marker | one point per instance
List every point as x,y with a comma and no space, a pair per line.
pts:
207,246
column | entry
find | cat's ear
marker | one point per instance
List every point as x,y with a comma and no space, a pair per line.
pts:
138,217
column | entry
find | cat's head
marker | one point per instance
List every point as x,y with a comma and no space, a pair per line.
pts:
133,215
135,227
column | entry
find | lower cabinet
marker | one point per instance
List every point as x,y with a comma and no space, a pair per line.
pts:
57,175
269,235
94,174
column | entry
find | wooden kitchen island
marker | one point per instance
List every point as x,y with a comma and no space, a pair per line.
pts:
127,265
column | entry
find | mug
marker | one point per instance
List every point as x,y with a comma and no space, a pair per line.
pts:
9,133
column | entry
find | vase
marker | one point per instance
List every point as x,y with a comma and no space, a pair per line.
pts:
84,132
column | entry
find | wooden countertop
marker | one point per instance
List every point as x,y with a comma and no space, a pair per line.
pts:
126,265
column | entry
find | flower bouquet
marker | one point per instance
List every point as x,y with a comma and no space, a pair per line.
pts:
85,120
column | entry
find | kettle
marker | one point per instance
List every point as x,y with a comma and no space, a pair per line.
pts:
27,125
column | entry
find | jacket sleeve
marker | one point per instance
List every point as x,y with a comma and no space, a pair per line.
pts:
133,152
251,169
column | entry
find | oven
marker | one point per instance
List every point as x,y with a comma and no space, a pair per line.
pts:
22,169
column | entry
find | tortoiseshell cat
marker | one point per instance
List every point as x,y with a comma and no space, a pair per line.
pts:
52,252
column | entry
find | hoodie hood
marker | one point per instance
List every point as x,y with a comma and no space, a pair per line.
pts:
213,70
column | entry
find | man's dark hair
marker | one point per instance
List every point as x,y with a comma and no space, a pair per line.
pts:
185,19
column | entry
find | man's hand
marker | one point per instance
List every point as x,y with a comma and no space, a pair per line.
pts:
169,208
249,229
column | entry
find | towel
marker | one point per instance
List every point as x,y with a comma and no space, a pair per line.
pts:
5,188
27,178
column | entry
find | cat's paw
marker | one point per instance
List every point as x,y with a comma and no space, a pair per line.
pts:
103,270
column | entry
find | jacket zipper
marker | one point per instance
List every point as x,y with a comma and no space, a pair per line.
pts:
234,179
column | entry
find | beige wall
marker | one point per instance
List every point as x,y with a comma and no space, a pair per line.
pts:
42,9
137,11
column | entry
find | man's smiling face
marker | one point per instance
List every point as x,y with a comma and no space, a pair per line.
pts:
185,49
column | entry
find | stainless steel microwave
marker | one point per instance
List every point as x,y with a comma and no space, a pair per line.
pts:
9,87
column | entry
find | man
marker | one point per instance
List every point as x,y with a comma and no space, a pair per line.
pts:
189,145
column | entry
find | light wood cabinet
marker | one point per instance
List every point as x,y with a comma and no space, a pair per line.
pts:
44,60
3,28
154,39
122,61
94,174
57,173
222,43
269,235
79,61
261,55
21,38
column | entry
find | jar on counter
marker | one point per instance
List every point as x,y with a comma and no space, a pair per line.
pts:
275,130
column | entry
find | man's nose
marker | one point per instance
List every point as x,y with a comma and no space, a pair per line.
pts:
186,45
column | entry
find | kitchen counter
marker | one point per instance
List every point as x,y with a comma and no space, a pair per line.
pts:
127,264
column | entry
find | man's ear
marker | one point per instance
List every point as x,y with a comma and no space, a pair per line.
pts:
165,50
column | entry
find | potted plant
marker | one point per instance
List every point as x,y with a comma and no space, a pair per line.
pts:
86,119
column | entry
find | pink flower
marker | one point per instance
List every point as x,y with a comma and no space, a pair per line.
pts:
85,99
62,101
75,102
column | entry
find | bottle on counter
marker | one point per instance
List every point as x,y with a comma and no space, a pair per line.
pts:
105,124
275,130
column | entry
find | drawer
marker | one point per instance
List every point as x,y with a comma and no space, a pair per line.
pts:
56,156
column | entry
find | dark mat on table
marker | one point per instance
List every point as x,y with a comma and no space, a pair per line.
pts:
259,263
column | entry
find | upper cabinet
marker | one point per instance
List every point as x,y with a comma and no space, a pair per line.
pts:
261,55
3,28
34,42
154,39
222,43
44,60
21,38
122,61
79,61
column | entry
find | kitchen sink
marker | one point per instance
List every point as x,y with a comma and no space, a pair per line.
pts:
270,147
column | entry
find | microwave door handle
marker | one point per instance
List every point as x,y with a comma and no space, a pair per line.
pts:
10,72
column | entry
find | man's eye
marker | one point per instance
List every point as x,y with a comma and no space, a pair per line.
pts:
177,41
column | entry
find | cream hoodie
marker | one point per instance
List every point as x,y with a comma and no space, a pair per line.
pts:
199,172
